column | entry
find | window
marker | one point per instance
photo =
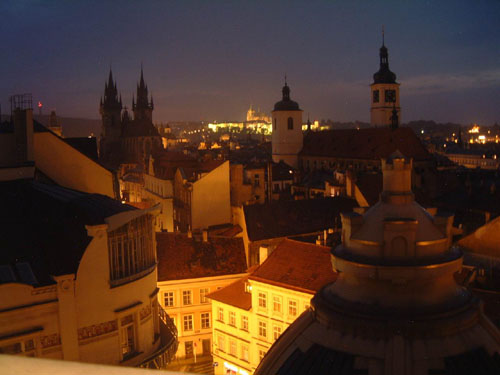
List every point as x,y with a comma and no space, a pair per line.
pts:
290,123
232,318
221,342
187,322
277,304
276,332
232,347
375,96
244,323
256,181
186,297
292,307
262,353
274,124
131,250
203,293
220,314
244,352
205,320
168,299
262,329
127,336
390,96
263,300
188,349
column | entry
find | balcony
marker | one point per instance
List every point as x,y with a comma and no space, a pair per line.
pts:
169,343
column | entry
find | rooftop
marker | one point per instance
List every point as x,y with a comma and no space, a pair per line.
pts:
364,144
44,226
287,218
181,257
297,265
234,294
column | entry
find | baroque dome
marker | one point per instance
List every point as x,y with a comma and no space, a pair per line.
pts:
395,307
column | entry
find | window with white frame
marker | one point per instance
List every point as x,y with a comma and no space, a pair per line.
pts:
221,342
168,299
127,336
205,320
262,353
244,352
187,297
232,347
187,322
292,307
203,294
277,304
244,323
262,329
276,332
232,318
220,314
262,300
131,249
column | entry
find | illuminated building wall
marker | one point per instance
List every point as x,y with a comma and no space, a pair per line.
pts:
250,314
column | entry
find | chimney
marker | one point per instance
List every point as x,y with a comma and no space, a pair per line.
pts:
263,253
23,132
318,240
205,235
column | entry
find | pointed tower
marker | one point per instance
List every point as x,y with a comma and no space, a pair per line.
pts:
143,107
110,108
287,129
384,91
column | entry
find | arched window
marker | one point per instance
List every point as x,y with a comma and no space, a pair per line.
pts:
290,123
274,124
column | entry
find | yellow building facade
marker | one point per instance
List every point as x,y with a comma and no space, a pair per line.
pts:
252,313
191,267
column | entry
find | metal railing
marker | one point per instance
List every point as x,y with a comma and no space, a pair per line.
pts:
169,343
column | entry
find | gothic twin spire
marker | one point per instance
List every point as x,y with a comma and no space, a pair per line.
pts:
113,101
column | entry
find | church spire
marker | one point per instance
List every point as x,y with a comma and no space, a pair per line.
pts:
110,100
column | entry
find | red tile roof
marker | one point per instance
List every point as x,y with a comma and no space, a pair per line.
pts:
297,265
290,218
234,294
180,257
365,144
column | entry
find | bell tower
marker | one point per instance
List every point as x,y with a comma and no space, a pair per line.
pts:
384,92
287,129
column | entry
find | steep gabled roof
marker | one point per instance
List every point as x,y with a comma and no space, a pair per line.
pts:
297,265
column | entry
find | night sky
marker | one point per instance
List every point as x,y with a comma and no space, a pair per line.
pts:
209,60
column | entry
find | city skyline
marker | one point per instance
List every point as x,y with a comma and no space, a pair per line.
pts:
212,61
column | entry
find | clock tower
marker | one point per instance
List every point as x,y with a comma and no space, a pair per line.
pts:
384,92
287,130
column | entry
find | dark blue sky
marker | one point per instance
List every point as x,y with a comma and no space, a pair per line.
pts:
212,59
